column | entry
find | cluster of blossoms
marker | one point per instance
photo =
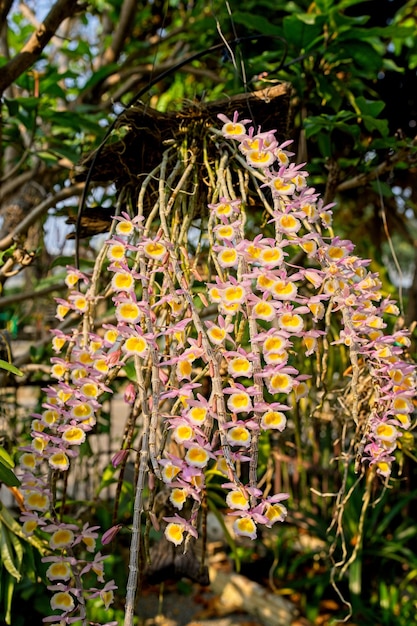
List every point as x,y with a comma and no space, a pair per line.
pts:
69,413
342,284
263,310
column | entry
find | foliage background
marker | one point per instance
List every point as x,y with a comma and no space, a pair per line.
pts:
352,66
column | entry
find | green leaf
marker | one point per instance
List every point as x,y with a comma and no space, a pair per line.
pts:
256,22
413,61
325,145
316,124
391,66
370,107
130,370
355,575
12,106
372,124
6,553
18,549
69,260
6,459
28,103
345,4
10,368
7,476
385,144
9,521
108,478
53,80
7,595
324,5
327,91
368,61
47,157
101,74
66,121
300,32
36,353
55,151
6,253
392,31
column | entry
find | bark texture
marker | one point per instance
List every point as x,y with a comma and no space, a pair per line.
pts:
31,51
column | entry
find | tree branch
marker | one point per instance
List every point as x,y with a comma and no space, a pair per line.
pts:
364,178
17,182
38,211
30,295
37,42
126,20
5,6
28,14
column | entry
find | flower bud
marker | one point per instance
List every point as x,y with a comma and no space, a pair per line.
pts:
110,534
120,457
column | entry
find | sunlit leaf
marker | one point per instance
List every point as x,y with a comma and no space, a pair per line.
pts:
10,368
7,554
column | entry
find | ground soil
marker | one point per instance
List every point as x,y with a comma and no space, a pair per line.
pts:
186,605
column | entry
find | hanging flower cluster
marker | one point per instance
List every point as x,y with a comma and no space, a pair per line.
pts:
280,305
69,414
245,329
343,285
